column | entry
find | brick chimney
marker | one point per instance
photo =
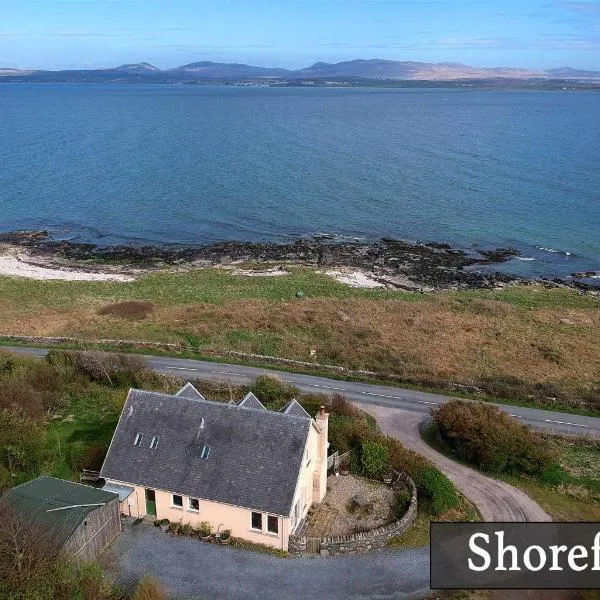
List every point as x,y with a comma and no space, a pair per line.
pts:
320,476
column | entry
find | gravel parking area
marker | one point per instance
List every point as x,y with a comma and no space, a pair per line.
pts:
190,569
334,517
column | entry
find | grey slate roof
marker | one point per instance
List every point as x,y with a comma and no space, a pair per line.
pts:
36,499
254,461
294,408
251,401
189,391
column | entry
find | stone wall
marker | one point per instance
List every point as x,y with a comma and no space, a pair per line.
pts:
362,542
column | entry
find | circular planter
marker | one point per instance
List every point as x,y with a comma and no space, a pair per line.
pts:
206,538
387,479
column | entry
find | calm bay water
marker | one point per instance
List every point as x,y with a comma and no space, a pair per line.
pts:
161,164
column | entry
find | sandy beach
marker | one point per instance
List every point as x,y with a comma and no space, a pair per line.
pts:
14,264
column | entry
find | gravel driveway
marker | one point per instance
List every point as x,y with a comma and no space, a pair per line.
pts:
189,568
495,500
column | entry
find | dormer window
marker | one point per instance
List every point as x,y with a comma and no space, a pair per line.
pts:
154,442
138,439
205,452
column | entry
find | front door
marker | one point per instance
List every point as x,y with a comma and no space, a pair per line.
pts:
150,503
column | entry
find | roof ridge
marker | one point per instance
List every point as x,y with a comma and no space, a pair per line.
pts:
229,405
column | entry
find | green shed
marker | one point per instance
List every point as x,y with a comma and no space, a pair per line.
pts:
80,519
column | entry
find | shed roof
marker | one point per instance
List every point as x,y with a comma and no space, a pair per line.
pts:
57,505
254,456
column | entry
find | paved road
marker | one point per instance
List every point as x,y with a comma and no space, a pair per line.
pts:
189,568
393,397
495,500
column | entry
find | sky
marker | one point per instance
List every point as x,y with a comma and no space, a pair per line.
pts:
62,34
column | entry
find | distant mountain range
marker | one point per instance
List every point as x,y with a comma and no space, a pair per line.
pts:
374,69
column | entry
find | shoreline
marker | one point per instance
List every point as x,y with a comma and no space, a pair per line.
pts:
385,263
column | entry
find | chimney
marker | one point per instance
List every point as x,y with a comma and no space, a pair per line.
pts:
320,476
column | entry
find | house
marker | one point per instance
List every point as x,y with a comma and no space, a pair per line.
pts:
79,519
238,466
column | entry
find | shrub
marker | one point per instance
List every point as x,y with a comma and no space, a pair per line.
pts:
205,529
485,436
124,370
21,441
273,391
149,589
437,488
374,458
340,406
401,504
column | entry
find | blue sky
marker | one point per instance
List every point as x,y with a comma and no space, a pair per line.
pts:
294,33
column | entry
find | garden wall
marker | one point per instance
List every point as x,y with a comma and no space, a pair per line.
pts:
366,541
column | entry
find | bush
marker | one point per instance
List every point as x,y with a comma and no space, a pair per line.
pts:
273,391
485,436
374,458
205,529
401,504
21,441
437,488
122,370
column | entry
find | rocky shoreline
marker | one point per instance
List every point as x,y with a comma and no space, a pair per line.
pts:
394,263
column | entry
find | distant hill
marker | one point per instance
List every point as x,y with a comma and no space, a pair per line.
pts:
142,67
359,69
569,73
214,70
392,69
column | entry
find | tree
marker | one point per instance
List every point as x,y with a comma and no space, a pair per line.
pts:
27,552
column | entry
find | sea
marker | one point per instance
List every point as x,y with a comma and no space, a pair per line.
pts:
163,164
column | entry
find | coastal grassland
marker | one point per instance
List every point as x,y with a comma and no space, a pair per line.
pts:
527,343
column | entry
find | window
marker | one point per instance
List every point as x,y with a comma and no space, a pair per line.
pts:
257,521
205,452
154,442
138,439
273,524
193,505
177,501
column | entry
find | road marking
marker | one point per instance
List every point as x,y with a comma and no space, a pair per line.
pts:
565,423
182,368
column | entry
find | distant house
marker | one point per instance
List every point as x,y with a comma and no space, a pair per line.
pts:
238,466
78,519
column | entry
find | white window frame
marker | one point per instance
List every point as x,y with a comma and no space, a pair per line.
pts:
173,505
205,453
194,510
139,437
262,521
154,442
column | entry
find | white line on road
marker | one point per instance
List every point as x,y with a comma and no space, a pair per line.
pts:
565,423
182,368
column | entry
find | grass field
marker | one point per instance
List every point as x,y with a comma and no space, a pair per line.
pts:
526,342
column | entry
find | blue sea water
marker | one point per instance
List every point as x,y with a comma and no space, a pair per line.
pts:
160,164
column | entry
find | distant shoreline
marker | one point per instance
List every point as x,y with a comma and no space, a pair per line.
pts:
390,263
